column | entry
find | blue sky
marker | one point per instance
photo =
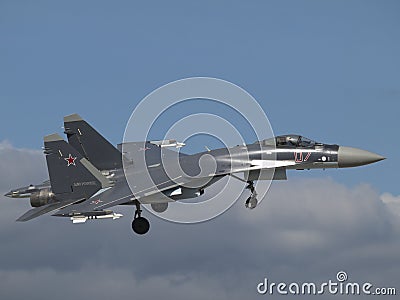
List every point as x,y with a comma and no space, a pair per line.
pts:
327,70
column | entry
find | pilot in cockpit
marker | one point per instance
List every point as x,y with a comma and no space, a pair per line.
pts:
293,141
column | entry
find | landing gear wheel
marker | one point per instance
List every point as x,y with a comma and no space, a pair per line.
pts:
251,202
140,225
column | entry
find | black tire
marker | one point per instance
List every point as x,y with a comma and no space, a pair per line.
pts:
251,202
140,225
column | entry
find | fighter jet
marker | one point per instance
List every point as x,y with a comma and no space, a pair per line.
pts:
88,175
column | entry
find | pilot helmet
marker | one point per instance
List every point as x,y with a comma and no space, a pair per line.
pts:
292,140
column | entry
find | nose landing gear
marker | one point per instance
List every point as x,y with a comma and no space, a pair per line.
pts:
252,201
140,225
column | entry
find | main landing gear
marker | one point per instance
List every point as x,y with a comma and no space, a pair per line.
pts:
252,201
140,225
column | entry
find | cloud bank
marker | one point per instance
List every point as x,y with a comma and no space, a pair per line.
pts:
304,230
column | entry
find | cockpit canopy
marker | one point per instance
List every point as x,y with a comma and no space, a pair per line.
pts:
290,140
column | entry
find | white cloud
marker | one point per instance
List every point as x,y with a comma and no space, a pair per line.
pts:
19,167
303,230
392,202
97,282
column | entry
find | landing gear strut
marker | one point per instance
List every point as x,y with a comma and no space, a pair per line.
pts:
140,225
252,201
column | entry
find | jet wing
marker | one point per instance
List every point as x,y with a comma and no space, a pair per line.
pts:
146,191
38,211
119,194
149,153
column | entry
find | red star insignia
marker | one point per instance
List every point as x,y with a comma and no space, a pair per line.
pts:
70,160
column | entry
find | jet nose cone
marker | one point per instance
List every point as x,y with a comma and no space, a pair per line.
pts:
10,194
353,157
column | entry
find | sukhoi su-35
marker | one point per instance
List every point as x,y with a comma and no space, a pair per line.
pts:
87,174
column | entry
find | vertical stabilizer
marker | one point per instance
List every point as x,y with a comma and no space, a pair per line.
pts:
71,175
90,144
